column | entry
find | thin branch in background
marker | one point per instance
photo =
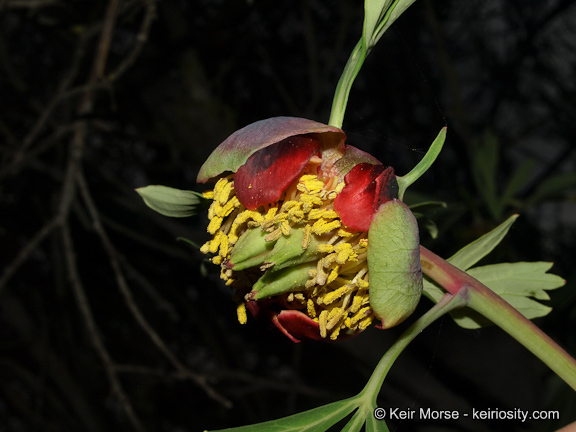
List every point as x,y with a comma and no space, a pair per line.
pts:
114,257
27,250
141,39
84,306
48,111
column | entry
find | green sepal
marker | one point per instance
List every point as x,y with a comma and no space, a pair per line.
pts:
251,250
394,263
283,281
288,250
173,202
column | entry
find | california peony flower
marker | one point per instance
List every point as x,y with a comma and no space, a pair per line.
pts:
294,219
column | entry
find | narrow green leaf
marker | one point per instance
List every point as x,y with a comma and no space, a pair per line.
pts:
315,420
393,13
373,425
427,205
519,279
189,242
553,186
394,263
374,11
517,283
173,202
485,170
478,249
518,180
356,422
405,181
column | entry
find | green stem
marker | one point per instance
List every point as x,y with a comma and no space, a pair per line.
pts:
448,303
353,66
483,300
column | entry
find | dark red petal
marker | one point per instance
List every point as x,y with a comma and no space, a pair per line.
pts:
269,171
297,326
293,324
238,147
367,187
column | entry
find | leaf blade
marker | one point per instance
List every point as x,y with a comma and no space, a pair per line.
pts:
173,202
315,420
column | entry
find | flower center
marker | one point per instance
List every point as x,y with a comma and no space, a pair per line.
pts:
334,291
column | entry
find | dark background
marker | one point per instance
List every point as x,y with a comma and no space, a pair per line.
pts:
107,323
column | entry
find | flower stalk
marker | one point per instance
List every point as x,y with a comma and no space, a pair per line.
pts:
484,301
447,304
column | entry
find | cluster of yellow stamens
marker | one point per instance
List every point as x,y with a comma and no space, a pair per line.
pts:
336,292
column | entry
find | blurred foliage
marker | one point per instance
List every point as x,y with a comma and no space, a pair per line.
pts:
107,323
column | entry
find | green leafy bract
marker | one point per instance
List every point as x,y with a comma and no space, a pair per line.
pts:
173,202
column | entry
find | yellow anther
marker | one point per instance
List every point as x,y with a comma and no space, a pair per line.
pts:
325,248
362,283
241,313
332,296
218,188
300,297
365,323
274,235
306,236
307,177
348,322
361,314
271,213
288,205
208,194
228,207
344,253
327,261
285,228
217,260
310,184
224,246
281,217
323,320
363,242
344,233
224,194
295,215
356,304
322,213
334,317
215,243
311,199
215,224
206,247
311,308
333,275
335,333
322,227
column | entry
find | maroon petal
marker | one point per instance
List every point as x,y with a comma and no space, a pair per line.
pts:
367,187
297,326
293,324
269,171
239,146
